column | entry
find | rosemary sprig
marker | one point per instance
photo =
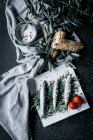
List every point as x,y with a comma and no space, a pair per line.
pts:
76,7
61,104
49,105
36,100
75,84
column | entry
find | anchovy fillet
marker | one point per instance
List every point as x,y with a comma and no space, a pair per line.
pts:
55,94
67,91
42,98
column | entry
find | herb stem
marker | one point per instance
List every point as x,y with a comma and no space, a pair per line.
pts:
74,8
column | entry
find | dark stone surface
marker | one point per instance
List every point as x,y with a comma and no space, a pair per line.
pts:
77,127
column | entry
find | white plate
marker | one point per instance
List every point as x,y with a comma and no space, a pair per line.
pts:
53,75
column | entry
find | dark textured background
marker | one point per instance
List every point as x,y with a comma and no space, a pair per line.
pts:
77,127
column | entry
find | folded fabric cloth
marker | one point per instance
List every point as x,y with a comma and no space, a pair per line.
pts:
14,99
14,91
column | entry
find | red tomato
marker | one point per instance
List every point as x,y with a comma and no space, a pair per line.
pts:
72,105
78,100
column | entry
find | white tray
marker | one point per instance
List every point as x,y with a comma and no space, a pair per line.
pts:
49,76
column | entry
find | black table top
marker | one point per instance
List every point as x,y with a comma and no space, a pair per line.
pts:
77,127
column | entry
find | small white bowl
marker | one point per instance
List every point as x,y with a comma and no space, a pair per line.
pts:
24,28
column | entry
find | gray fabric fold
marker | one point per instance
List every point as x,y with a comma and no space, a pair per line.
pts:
14,99
14,91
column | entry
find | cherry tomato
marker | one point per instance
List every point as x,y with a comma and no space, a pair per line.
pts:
78,100
72,105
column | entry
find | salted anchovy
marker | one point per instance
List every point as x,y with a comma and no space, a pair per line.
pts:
67,91
42,98
55,94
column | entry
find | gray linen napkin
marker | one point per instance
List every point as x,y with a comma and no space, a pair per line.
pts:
14,99
14,91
